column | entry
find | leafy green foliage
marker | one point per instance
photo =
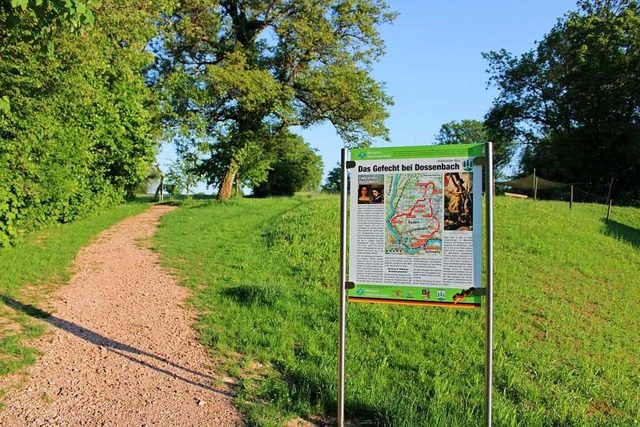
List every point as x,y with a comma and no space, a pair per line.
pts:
295,166
182,175
462,132
237,73
45,18
475,132
574,101
5,105
333,183
267,288
75,12
81,127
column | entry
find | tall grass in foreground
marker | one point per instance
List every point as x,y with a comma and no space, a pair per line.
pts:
265,276
32,269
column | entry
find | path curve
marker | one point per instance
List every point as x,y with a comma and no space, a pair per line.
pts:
122,350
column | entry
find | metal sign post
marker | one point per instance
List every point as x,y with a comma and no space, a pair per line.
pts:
343,291
489,191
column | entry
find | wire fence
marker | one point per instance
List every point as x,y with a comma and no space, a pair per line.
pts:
540,188
582,196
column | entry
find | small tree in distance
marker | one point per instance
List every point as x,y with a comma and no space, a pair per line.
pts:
476,132
333,182
295,166
182,175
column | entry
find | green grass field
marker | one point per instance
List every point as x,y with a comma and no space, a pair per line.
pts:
265,279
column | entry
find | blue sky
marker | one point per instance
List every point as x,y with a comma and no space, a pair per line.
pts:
433,68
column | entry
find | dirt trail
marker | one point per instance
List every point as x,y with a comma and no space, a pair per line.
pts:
121,350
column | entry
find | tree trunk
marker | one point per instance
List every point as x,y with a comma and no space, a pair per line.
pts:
227,185
237,187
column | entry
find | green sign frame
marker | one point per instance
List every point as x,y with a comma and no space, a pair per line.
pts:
422,186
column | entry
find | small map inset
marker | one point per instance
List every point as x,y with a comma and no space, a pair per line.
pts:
414,214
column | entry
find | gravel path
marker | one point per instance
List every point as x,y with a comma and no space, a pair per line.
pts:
121,350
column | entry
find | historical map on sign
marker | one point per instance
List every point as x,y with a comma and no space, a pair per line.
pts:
414,213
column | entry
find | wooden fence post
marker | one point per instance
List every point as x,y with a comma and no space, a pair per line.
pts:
571,199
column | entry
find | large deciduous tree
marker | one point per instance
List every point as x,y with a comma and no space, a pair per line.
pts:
574,101
42,18
239,72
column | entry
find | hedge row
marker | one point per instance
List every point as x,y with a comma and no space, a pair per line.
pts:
81,127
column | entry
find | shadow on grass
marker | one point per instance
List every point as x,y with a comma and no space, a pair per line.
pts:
124,350
623,232
263,295
320,389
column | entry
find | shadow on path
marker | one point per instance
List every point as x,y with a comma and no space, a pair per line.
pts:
116,347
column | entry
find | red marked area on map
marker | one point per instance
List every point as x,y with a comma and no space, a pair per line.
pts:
414,214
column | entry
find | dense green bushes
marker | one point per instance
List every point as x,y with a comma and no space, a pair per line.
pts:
81,125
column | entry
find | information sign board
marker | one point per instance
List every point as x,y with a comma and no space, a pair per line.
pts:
415,225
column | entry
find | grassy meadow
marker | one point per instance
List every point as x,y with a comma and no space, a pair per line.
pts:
264,275
265,278
38,264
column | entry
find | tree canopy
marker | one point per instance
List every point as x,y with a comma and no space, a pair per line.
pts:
295,167
476,132
81,125
333,183
182,175
573,102
237,73
462,132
